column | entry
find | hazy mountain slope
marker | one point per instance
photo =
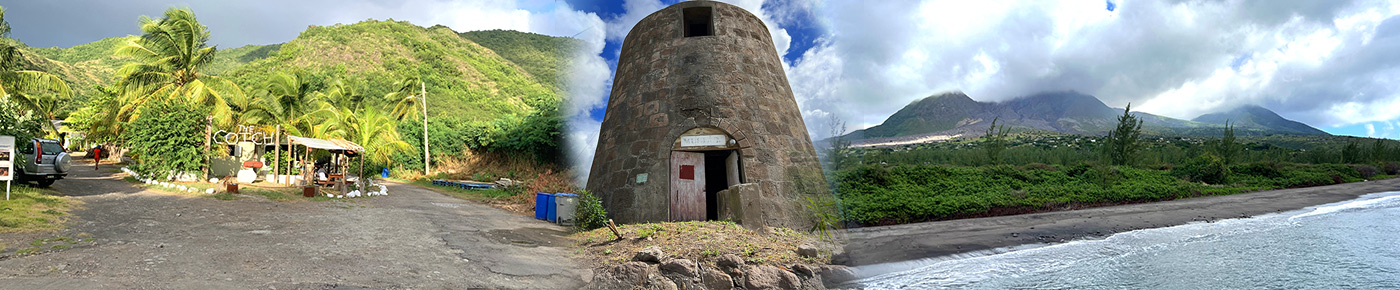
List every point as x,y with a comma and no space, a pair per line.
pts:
1070,112
1256,117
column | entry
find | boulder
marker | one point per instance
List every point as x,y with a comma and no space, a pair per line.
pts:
715,280
631,275
730,262
652,254
808,251
769,277
803,271
684,267
833,275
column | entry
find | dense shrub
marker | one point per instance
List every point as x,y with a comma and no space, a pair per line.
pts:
1206,168
591,214
167,138
1391,168
901,194
1262,169
21,126
1365,171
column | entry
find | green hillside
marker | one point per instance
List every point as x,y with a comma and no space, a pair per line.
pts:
82,71
229,59
98,55
464,79
545,57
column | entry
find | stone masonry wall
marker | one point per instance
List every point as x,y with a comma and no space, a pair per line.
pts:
732,80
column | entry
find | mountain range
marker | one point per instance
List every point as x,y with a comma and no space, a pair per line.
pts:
954,114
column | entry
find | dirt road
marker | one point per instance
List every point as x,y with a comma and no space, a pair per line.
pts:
893,244
413,238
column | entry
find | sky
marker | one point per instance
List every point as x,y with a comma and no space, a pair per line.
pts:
1331,64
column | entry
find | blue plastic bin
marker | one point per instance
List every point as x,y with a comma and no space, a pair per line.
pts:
384,172
544,206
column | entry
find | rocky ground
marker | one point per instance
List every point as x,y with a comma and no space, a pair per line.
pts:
652,268
127,237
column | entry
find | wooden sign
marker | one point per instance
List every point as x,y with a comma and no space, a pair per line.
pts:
7,157
703,140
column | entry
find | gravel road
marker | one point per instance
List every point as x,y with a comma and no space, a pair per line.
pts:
415,238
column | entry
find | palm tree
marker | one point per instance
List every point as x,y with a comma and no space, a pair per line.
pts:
17,84
290,100
374,131
343,95
405,98
167,61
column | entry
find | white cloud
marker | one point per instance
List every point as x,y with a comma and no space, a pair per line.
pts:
636,10
1323,63
582,142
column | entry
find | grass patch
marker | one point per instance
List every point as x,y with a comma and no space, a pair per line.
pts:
27,251
31,209
269,194
223,196
698,241
61,247
471,194
515,199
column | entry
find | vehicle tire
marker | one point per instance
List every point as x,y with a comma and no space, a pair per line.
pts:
44,183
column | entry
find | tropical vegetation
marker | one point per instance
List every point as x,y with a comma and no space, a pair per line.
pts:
491,93
25,87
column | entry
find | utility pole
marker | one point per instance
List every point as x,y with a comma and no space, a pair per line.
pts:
423,97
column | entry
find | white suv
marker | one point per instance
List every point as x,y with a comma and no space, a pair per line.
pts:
47,164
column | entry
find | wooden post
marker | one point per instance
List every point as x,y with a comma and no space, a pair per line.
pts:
614,229
340,184
277,153
305,167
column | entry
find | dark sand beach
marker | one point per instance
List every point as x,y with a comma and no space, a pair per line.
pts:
888,244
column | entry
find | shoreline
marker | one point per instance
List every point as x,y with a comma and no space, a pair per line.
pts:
910,242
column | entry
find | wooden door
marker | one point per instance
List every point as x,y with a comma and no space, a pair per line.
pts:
687,186
731,164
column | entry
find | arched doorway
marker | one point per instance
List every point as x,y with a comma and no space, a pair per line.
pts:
704,161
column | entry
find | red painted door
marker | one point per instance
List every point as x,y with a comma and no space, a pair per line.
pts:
687,186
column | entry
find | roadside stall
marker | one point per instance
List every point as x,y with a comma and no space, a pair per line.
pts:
332,174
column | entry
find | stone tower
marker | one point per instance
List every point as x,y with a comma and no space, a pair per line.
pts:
701,125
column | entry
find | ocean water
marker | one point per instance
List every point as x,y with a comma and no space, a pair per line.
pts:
1346,245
